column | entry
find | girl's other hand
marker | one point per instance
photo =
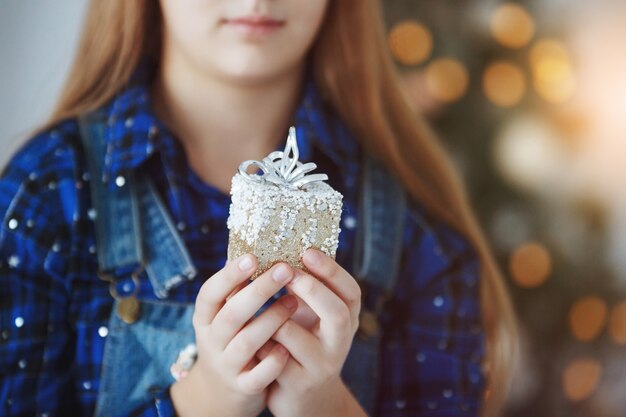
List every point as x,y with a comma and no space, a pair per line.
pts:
227,378
310,384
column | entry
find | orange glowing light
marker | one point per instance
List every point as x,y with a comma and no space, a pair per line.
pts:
617,323
530,265
547,48
512,25
553,74
580,378
504,83
411,43
447,79
587,318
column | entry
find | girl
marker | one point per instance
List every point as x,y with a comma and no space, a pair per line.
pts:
113,240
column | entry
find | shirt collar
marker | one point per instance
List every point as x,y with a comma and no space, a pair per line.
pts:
134,132
132,127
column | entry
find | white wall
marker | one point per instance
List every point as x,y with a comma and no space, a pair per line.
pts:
37,42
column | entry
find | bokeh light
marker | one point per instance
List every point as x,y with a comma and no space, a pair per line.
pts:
529,155
504,83
580,378
447,79
530,265
617,324
553,73
587,318
512,25
411,43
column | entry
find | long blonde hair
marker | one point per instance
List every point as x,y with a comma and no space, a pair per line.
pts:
354,70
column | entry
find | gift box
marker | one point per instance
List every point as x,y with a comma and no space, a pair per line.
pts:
282,210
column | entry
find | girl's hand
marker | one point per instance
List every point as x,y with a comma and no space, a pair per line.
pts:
310,384
227,379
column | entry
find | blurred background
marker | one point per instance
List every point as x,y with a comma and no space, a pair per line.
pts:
530,99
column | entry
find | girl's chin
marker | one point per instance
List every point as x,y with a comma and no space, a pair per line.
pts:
250,77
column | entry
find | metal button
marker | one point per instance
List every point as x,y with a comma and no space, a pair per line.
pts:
129,310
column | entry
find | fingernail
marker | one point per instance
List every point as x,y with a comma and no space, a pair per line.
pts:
245,263
289,301
312,257
281,274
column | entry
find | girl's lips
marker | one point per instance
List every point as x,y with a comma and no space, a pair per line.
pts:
255,25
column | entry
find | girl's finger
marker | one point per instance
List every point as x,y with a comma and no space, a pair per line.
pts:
236,290
293,371
336,322
262,375
255,334
265,350
243,305
214,291
301,344
336,278
304,316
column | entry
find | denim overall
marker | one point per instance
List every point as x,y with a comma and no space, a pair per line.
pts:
136,237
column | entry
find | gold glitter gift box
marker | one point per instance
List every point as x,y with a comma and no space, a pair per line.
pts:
283,211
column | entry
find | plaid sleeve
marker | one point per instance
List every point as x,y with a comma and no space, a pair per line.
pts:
36,343
432,356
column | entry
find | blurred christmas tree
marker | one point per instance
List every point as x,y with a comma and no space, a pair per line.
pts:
502,85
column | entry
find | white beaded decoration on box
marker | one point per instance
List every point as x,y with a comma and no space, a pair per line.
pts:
278,214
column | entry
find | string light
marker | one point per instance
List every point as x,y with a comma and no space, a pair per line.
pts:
553,74
512,25
530,265
580,378
447,79
504,83
587,318
410,42
529,154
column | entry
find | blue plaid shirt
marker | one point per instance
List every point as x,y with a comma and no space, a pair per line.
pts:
54,310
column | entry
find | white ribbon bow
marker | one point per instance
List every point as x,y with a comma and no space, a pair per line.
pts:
283,168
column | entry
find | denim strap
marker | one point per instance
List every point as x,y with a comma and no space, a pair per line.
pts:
118,229
381,220
132,224
169,263
382,209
